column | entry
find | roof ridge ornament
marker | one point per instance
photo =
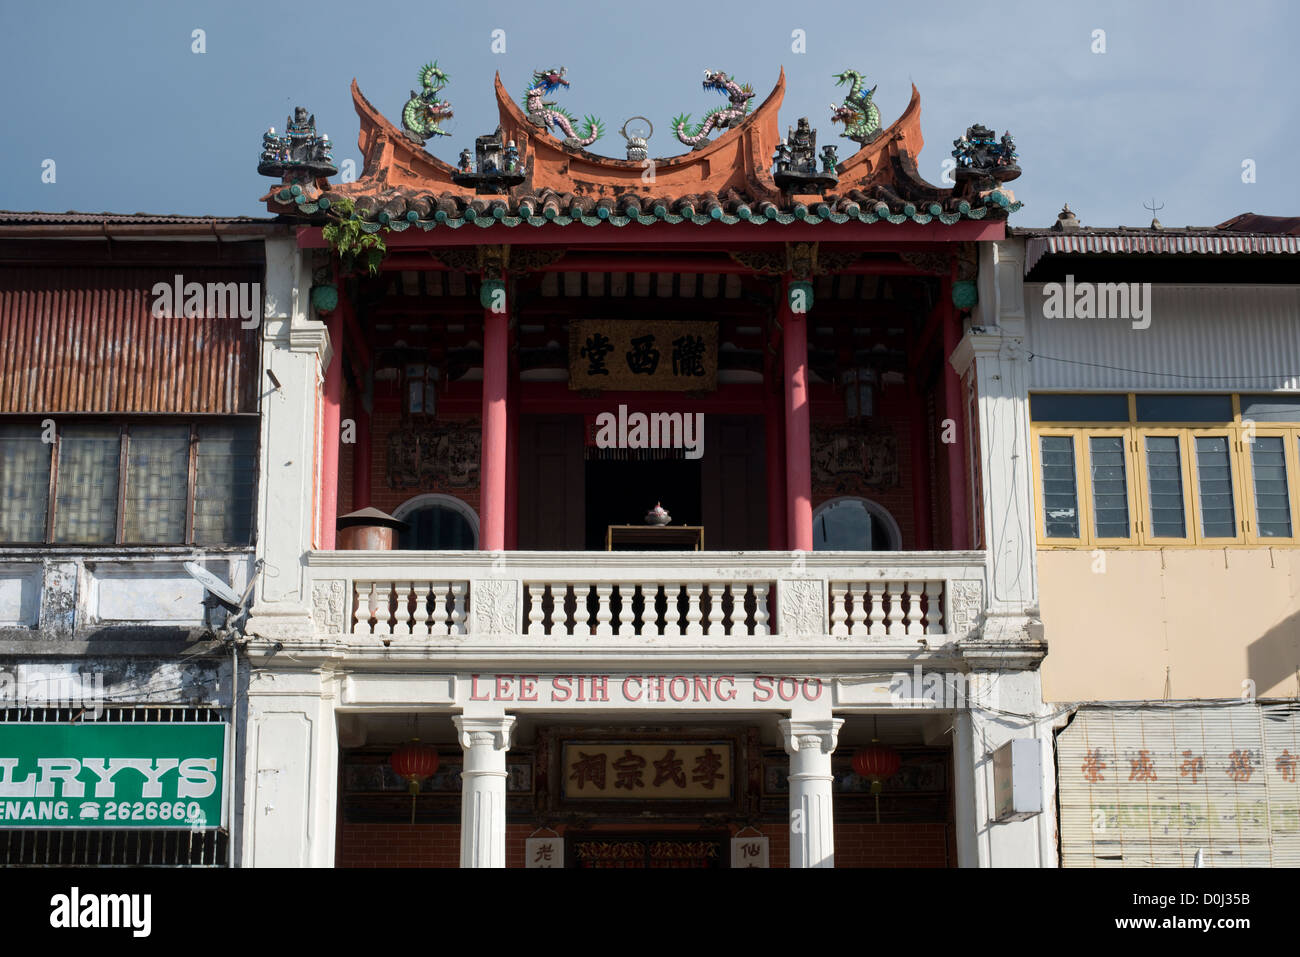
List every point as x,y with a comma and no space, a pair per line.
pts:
1155,223
637,148
298,155
860,116
795,162
984,163
545,113
423,110
495,167
1065,220
718,118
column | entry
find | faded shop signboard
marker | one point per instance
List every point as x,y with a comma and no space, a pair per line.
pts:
112,775
654,355
1150,787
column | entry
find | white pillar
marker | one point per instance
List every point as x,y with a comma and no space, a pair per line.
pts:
812,821
993,359
290,769
966,751
295,350
483,789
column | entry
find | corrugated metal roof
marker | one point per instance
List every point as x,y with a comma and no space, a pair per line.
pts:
1253,223
1126,241
84,339
1191,344
72,217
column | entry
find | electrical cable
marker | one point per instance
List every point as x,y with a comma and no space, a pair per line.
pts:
1168,375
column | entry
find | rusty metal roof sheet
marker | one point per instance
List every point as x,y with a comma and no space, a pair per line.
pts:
84,339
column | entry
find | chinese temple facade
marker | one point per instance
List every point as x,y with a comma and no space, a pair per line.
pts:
548,509
690,470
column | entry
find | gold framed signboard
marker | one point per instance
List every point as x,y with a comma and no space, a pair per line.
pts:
622,770
636,355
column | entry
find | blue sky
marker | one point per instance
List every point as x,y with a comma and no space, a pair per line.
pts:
1184,94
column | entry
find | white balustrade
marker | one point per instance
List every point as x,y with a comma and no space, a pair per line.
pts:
866,597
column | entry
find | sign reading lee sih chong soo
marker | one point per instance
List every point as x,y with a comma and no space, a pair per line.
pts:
111,775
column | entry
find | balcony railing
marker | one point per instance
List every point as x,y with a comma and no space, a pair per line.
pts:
392,598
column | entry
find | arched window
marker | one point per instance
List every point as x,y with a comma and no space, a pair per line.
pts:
850,524
438,523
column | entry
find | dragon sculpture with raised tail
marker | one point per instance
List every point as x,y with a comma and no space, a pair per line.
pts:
423,111
860,116
546,114
719,118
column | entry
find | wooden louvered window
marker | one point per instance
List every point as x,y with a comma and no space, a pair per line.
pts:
96,482
1184,470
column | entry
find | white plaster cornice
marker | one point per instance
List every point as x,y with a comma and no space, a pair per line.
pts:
311,337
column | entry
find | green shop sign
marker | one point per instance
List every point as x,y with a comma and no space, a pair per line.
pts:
112,775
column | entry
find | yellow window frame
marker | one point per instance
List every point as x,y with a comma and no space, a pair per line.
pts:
1130,481
1040,503
1146,533
1290,437
1231,435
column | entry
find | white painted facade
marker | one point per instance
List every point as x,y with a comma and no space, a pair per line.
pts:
314,662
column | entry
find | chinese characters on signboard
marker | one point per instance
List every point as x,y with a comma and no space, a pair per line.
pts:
615,770
749,851
632,355
544,852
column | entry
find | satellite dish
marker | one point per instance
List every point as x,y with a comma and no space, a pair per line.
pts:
224,593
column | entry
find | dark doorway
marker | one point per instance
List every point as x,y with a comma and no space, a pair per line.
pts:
620,492
550,481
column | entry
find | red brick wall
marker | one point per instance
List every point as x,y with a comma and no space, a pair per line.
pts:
398,845
438,845
891,845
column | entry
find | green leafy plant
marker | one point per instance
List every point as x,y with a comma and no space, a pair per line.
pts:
354,247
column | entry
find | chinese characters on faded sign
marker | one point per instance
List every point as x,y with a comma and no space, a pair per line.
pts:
614,770
636,355
1238,766
544,852
749,851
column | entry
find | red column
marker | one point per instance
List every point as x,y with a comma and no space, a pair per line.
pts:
329,454
361,460
492,474
798,427
954,409
512,457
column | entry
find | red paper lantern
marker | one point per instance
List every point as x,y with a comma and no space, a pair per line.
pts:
413,762
875,763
